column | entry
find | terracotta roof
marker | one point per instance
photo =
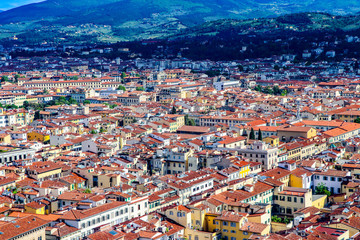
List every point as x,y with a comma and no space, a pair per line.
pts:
20,226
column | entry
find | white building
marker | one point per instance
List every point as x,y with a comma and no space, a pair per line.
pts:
332,179
226,84
261,152
87,220
16,154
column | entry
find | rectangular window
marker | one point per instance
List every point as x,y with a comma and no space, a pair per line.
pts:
233,224
225,223
289,199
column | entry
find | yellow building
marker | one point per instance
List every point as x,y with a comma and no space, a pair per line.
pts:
32,99
35,208
244,168
293,151
197,234
350,188
300,178
319,201
201,100
235,225
180,119
180,214
38,136
173,125
288,133
198,213
5,138
272,140
352,226
19,99
292,199
44,170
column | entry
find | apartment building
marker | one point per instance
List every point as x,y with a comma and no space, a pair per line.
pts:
89,219
262,153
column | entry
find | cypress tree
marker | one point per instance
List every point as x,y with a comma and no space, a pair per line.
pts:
252,134
260,135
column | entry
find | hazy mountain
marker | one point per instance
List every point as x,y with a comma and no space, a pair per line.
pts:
114,20
188,11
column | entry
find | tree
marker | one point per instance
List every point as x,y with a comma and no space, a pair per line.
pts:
123,75
276,219
113,106
192,122
259,135
93,131
121,87
252,134
241,68
62,100
11,106
322,189
173,110
26,104
276,90
357,120
276,67
258,88
86,102
268,90
17,76
286,220
37,115
72,101
45,91
4,78
88,190
188,121
140,89
284,92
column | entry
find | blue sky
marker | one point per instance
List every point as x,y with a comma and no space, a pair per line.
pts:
8,4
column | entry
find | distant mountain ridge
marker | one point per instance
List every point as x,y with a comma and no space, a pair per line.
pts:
117,20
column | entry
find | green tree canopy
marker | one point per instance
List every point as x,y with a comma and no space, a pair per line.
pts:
322,189
121,87
26,104
4,78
